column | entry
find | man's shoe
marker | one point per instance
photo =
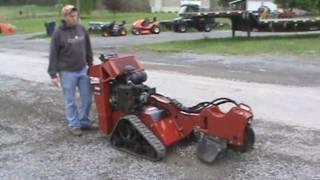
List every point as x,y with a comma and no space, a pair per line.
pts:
92,126
76,131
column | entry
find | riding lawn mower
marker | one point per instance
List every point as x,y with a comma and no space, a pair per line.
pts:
145,26
108,29
143,122
7,28
114,29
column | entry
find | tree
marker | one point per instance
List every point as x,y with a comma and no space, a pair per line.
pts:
85,6
127,5
138,5
309,5
28,2
115,5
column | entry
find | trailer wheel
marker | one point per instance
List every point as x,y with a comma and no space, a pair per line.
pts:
182,28
155,29
207,27
246,16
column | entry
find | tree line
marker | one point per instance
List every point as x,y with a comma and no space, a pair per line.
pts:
309,5
143,5
27,2
86,6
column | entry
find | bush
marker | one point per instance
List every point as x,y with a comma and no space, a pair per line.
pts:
128,5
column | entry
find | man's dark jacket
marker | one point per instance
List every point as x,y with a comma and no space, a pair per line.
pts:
70,49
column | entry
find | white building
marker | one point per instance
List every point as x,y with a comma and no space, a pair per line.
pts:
254,5
164,5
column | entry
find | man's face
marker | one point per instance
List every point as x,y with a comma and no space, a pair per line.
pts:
72,18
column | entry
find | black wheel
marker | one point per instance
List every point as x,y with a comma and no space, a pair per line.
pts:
207,27
249,140
245,16
105,34
182,28
135,31
126,135
155,29
123,32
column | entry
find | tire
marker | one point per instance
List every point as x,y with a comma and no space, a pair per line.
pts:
249,141
245,16
135,31
155,29
105,34
207,27
123,32
182,28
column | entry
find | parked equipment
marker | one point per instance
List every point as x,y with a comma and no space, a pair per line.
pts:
182,25
108,29
145,26
188,18
96,27
142,122
114,29
7,28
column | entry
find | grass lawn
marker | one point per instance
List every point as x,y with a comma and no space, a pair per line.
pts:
31,18
306,45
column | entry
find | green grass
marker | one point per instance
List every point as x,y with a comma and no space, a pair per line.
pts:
306,45
27,11
28,18
33,17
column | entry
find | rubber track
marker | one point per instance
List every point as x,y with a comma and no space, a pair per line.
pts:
148,136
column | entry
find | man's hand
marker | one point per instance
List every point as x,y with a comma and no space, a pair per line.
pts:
56,81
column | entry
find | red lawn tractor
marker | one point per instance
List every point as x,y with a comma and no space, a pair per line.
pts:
142,122
145,26
7,28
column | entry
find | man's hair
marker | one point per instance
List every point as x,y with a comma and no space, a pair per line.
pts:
67,9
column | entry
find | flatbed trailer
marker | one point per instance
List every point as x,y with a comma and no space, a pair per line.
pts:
250,22
242,21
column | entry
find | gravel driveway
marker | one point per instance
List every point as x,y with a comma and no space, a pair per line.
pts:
34,142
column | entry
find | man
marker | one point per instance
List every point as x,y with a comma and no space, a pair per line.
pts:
70,56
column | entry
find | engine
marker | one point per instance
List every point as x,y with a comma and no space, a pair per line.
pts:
129,94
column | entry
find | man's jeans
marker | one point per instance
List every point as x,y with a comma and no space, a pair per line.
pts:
70,81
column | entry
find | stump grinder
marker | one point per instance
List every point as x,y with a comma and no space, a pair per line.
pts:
142,122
